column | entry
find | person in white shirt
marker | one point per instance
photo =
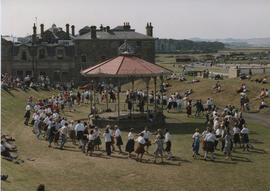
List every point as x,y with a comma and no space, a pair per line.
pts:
159,146
72,133
64,132
90,146
130,143
97,141
209,104
146,135
112,137
236,136
140,148
216,123
244,136
168,143
210,139
108,140
79,128
27,114
118,137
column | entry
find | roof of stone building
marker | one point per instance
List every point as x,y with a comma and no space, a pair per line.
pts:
114,35
125,66
119,32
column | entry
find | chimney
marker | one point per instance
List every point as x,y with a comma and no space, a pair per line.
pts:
42,30
93,32
73,30
34,29
34,36
126,26
67,31
101,27
149,29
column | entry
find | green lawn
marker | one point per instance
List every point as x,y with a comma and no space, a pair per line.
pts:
71,170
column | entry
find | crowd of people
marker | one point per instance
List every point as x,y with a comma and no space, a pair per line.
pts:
47,121
226,131
28,82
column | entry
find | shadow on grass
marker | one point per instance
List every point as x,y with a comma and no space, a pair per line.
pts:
9,92
254,141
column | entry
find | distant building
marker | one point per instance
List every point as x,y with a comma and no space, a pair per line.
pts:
62,55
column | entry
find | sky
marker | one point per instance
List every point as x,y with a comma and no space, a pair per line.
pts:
178,19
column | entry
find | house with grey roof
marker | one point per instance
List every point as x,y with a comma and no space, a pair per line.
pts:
63,54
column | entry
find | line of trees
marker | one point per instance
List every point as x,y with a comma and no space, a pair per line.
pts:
187,46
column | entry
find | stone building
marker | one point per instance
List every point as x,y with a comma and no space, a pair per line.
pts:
49,53
62,55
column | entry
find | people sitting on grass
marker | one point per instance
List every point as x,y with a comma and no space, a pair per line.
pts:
263,105
217,87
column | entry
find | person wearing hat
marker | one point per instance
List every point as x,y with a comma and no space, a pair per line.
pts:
118,137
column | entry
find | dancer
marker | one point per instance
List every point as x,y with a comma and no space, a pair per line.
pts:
168,143
108,140
97,140
118,137
130,143
146,135
210,139
90,146
159,146
140,148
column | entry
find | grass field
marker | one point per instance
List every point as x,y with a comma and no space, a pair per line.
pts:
71,170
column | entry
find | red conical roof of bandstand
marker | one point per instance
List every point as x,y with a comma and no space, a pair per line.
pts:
125,66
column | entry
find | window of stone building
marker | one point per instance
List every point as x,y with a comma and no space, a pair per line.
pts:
83,58
60,54
24,56
138,44
41,53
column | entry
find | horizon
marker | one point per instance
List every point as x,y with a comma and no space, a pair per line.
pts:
208,19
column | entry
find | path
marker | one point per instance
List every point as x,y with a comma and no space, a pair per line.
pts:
261,118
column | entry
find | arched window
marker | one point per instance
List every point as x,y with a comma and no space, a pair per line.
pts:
24,56
41,53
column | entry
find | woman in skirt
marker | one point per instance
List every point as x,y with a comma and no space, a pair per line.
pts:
97,140
188,108
140,148
196,143
112,137
228,145
130,143
27,114
159,146
118,137
90,146
210,139
72,133
236,136
107,137
245,139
